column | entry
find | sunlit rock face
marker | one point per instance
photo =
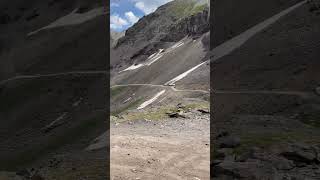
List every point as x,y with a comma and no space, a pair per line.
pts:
169,23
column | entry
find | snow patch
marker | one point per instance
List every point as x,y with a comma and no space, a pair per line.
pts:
151,59
178,44
73,18
234,43
132,67
56,122
162,99
155,57
146,103
152,55
229,46
99,142
75,104
125,101
181,76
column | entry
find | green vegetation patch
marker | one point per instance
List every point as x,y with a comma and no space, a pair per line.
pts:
116,90
198,105
161,112
311,118
198,9
186,8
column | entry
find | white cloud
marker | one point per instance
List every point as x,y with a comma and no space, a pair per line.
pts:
129,18
132,18
149,6
116,22
113,4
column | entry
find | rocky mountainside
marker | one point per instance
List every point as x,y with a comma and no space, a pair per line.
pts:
23,51
159,107
169,23
176,33
114,37
53,65
265,97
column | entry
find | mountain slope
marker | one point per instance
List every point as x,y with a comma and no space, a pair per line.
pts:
42,51
114,37
264,92
155,30
156,120
157,58
52,77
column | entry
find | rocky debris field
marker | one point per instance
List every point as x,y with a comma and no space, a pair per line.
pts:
176,146
288,161
266,123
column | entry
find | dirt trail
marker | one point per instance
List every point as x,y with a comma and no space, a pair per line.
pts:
162,86
51,75
170,149
304,94
280,92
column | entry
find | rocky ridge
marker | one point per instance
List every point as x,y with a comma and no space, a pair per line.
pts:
169,23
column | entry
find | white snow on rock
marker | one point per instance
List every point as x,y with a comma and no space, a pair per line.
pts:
152,55
181,76
155,57
132,67
128,99
162,99
146,103
56,122
175,46
178,44
73,18
151,59
99,142
230,45
236,42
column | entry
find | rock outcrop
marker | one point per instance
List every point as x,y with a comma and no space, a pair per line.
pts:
169,23
193,26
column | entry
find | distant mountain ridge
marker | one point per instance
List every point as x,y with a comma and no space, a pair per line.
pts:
115,36
169,23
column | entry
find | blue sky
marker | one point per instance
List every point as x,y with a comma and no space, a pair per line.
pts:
124,13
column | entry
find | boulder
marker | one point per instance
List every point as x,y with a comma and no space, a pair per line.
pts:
254,169
229,142
317,90
178,114
281,163
204,111
245,156
222,134
301,153
221,154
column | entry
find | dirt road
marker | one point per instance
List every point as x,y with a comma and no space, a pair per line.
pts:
169,149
